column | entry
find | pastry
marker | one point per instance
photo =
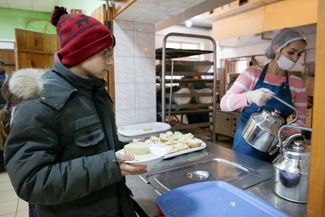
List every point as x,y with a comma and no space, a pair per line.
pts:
154,139
163,138
136,148
193,143
147,129
179,147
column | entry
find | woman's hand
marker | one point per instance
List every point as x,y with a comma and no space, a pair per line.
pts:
128,169
259,96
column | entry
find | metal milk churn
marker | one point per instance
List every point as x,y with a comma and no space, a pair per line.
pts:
262,128
291,167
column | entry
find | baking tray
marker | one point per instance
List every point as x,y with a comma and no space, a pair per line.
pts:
214,199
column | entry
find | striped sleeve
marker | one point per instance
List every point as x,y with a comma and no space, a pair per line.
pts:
235,97
299,98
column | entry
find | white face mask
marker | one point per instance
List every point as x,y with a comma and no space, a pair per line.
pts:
285,63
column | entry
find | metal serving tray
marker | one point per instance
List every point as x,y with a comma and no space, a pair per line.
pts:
205,170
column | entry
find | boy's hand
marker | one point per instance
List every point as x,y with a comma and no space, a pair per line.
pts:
129,169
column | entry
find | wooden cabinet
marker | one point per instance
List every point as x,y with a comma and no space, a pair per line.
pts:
8,56
34,49
226,122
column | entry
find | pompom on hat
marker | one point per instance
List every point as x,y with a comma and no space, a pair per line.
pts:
81,36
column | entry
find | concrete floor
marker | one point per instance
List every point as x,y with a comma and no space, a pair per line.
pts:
10,204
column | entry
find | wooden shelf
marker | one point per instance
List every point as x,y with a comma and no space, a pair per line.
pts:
188,94
191,106
206,81
179,126
186,73
177,53
193,111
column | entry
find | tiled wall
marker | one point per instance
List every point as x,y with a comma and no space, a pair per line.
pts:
134,60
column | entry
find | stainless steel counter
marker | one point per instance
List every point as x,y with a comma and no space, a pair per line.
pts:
264,191
256,179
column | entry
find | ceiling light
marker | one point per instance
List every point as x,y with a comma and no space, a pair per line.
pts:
188,23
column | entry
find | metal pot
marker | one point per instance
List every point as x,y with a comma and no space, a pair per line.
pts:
291,167
262,128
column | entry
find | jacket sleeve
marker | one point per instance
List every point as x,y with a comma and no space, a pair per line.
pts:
31,155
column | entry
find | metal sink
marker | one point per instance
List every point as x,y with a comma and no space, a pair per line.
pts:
204,170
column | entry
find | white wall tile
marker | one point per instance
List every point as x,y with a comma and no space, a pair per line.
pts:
145,71
145,95
144,27
144,44
123,24
125,96
125,117
135,87
124,70
124,43
146,115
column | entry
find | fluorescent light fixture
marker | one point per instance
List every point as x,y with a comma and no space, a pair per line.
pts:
188,23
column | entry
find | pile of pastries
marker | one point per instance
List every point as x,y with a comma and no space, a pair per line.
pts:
175,141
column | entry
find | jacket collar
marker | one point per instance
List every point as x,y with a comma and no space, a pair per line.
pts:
78,82
60,83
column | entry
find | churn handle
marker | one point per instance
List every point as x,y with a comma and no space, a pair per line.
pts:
290,126
290,106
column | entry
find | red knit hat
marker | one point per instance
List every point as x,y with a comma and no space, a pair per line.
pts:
80,36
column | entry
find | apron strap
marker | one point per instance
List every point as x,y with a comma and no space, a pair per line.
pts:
287,77
262,76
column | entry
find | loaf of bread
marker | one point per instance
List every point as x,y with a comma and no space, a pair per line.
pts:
136,148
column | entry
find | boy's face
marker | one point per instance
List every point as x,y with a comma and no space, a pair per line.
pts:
97,65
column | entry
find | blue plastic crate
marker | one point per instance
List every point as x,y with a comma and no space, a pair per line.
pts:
214,199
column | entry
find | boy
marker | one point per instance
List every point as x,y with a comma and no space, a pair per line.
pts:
60,153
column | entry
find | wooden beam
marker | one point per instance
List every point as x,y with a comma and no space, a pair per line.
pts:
103,15
127,3
316,187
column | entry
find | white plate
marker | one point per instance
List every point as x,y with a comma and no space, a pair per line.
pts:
174,154
181,100
156,155
205,99
143,129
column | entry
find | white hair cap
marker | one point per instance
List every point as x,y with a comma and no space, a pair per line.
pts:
282,39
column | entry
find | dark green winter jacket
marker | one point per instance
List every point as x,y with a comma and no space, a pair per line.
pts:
60,153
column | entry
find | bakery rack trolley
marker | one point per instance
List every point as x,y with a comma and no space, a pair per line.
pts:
168,53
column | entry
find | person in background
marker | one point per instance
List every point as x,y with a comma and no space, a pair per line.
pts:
203,116
253,89
2,111
60,152
20,85
2,78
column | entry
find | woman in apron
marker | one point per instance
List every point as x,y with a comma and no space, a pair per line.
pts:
253,89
